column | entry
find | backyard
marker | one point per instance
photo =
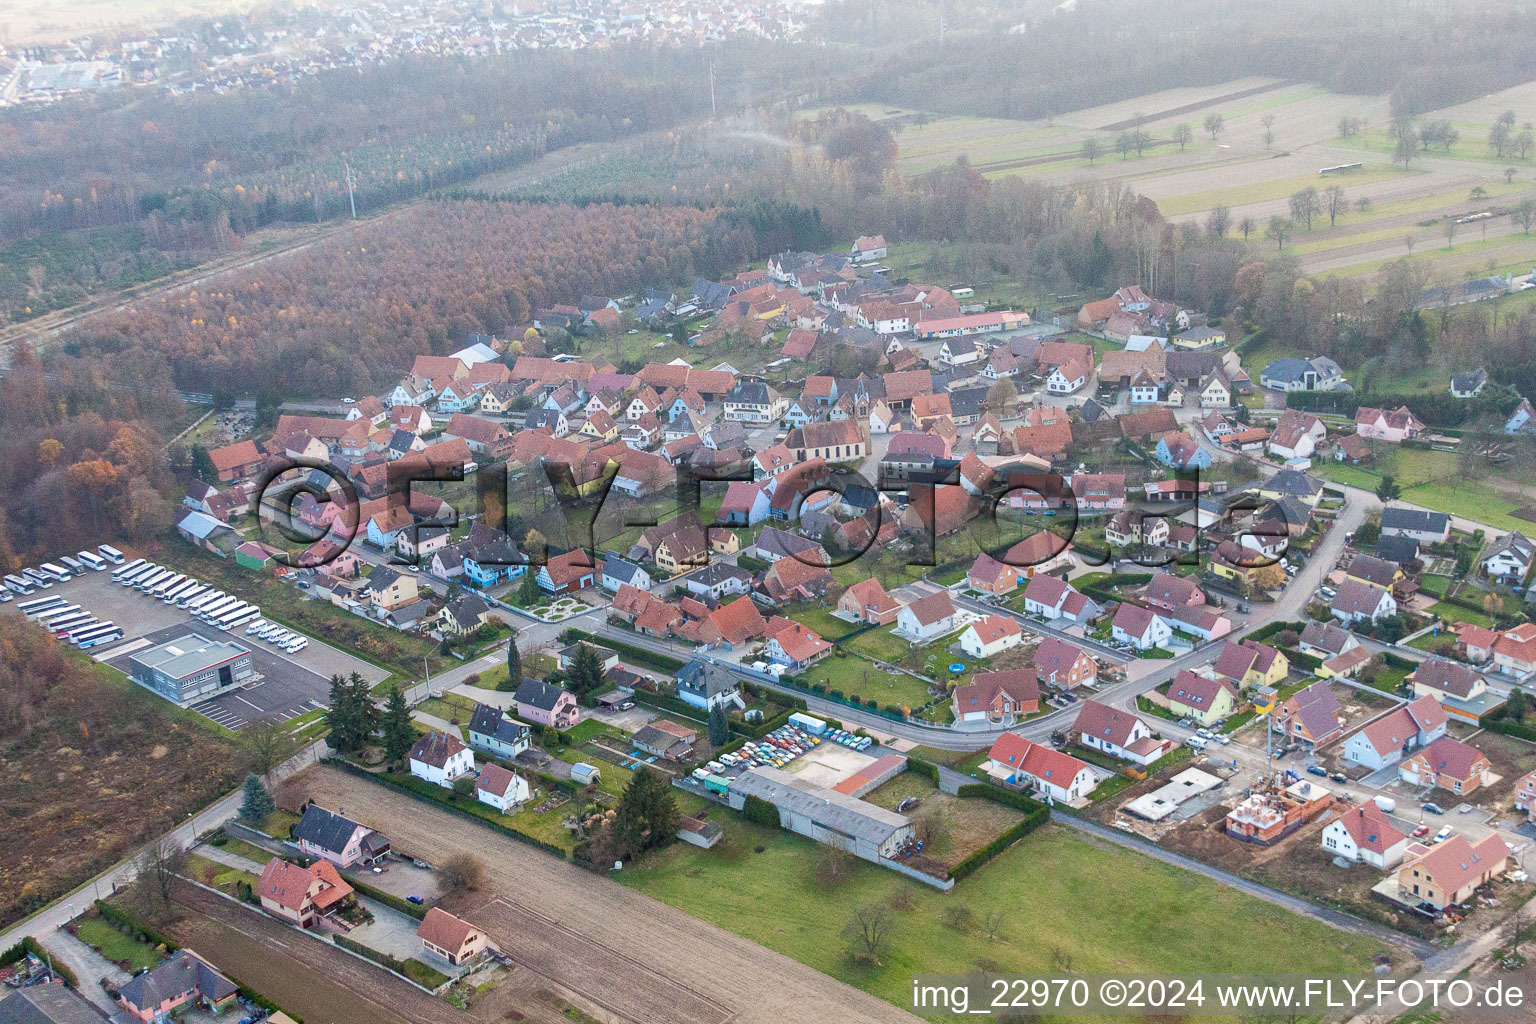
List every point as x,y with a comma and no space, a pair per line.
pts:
952,828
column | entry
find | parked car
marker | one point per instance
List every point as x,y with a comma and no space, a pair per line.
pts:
1434,809
1339,777
1317,769
415,899
1420,832
1445,833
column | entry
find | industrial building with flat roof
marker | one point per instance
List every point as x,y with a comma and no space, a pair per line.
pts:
192,668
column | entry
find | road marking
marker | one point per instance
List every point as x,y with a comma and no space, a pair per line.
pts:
242,700
491,659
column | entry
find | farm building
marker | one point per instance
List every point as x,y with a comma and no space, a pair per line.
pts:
825,815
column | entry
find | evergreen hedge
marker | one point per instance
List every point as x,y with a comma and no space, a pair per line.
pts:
1035,815
637,655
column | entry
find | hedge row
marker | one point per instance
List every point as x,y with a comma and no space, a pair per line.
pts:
28,946
1508,728
752,565
390,900
1035,815
130,921
1268,630
1300,659
637,655
1398,661
384,960
756,809
442,802
927,769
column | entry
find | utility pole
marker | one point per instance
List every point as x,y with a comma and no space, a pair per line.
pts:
941,22
711,88
350,197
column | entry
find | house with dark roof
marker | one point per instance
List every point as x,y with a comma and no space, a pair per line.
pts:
543,704
1447,764
47,1003
1201,698
1310,716
343,842
706,685
183,977
492,732
996,696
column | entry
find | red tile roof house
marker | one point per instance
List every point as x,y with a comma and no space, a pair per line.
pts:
1058,663
1365,835
1525,794
564,573
1451,871
1140,627
927,618
793,645
1403,729
449,937
1167,591
1309,716
867,601
790,579
994,696
990,576
991,636
237,461
1447,764
1052,598
1120,734
1016,762
301,896
440,758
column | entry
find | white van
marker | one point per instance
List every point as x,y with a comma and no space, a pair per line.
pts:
1196,743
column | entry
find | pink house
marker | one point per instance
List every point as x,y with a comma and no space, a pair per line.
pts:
543,704
182,977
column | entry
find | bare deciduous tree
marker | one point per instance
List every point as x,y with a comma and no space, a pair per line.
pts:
869,931
160,868
992,921
460,872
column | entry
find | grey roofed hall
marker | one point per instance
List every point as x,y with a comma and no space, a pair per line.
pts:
826,807
325,829
47,1004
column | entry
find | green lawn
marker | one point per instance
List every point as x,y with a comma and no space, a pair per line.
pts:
822,621
1062,896
859,676
1431,479
116,946
1460,613
1275,188
882,643
423,974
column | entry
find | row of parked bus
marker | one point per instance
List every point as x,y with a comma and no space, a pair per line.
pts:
200,600
70,622
30,580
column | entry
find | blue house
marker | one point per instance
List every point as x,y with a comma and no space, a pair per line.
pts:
1182,452
796,416
495,562
458,396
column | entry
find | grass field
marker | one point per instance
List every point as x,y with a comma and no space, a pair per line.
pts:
1274,188
1433,480
859,677
116,946
1062,898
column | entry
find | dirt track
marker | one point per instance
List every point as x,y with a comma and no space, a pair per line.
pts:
618,948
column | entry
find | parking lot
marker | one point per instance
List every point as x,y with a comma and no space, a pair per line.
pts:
288,685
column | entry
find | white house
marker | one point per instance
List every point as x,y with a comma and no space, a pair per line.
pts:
1015,761
1119,734
501,789
1067,378
1357,602
927,618
991,636
618,572
1365,835
440,758
959,352
1297,435
1404,729
1140,627
1510,558
1052,598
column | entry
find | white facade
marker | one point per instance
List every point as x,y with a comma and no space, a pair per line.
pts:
1337,841
517,793
971,643
460,763
1157,632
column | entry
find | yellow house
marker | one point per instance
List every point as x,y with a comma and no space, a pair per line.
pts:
1201,698
1198,338
1247,663
601,426
1215,393
1374,572
497,399
1229,562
